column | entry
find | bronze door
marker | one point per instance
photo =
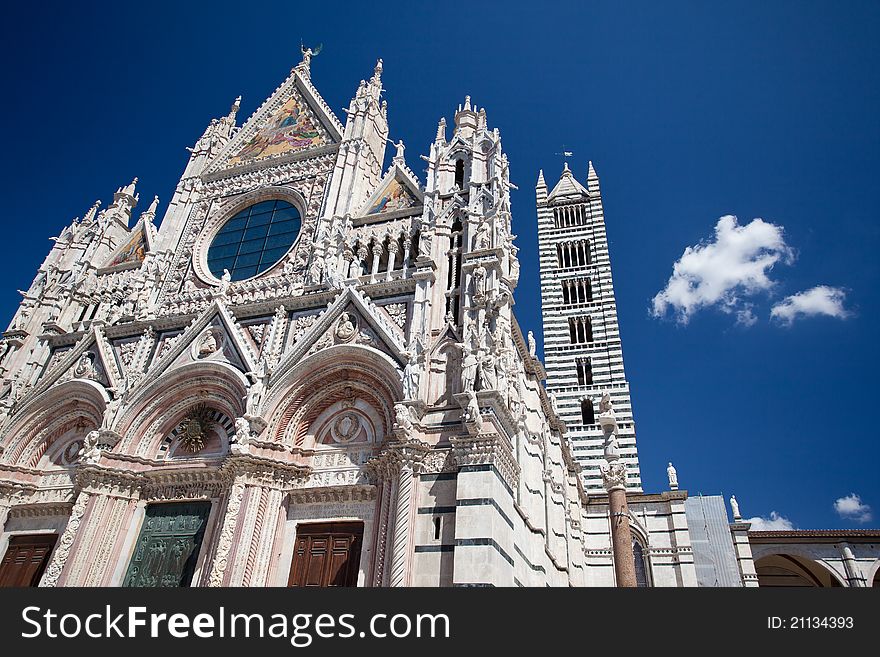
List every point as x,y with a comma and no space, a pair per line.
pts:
26,559
327,554
168,546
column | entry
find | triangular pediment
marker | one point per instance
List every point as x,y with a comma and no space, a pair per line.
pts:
214,336
132,252
294,119
90,359
351,319
397,191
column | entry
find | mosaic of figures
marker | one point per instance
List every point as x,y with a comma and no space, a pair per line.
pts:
291,128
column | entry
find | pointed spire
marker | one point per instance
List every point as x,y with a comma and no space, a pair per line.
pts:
90,215
150,213
377,72
591,172
128,190
467,103
565,169
441,130
230,118
541,182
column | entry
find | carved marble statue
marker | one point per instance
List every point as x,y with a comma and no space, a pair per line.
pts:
487,371
735,506
533,347
482,238
403,425
673,476
85,366
469,364
208,344
259,379
225,282
472,411
479,276
411,373
110,412
90,452
345,329
242,432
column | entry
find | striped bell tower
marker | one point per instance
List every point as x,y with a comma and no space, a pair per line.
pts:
582,348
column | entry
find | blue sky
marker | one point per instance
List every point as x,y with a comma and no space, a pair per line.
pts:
689,112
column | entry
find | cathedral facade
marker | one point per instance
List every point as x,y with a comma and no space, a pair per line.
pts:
310,374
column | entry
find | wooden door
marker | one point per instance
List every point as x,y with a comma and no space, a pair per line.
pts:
26,559
168,546
327,554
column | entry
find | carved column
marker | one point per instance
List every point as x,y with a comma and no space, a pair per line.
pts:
62,550
397,467
393,248
247,534
614,477
377,256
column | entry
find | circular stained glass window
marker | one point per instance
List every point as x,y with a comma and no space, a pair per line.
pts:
254,239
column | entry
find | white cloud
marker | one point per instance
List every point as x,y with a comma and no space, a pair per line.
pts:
852,508
774,523
820,300
746,317
724,271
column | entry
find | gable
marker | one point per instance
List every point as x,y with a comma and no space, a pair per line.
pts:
395,195
133,251
293,120
396,191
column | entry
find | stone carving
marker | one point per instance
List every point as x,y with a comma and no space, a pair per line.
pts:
193,430
397,311
259,382
85,367
613,475
533,347
482,238
242,437
412,371
110,411
301,325
346,427
403,425
488,380
471,413
735,506
469,365
209,343
479,277
673,476
345,328
225,282
90,452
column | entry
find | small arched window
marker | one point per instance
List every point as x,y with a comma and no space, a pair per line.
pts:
459,174
641,567
587,415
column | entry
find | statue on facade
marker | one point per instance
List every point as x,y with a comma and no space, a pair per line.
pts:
403,425
110,411
533,347
225,282
411,372
425,237
471,412
479,276
487,371
208,344
259,379
673,477
345,329
243,436
308,53
90,452
734,505
85,366
482,239
469,366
